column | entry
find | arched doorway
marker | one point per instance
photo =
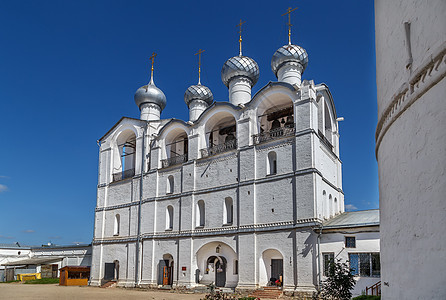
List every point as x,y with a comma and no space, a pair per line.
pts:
272,267
165,270
217,265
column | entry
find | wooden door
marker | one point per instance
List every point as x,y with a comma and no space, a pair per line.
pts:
9,274
165,275
276,268
54,270
109,273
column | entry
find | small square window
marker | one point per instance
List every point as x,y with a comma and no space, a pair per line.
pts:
350,242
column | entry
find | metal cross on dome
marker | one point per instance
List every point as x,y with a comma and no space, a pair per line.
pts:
289,22
152,58
199,64
240,34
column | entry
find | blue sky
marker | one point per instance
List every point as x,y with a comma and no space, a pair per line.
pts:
69,69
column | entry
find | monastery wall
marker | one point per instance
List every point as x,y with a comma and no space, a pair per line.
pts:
410,138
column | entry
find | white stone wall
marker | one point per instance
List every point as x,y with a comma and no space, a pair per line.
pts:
271,212
411,148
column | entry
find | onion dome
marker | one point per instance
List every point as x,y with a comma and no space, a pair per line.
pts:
150,94
198,92
240,66
289,53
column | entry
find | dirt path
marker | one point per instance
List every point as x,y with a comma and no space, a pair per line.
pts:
12,291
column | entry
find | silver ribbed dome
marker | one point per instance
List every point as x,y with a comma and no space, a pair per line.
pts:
289,53
150,94
240,66
198,92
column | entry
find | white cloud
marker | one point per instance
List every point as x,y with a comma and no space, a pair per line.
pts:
28,231
350,207
6,237
3,188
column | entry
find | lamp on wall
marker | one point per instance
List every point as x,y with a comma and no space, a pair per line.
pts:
217,250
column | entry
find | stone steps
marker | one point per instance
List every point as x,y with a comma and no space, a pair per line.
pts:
109,284
267,292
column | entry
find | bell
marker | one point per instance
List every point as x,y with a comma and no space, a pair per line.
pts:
229,137
275,124
289,122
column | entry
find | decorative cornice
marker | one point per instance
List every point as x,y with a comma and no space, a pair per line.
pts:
116,206
218,157
227,230
430,72
275,143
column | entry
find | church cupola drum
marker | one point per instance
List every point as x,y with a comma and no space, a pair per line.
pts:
240,73
289,61
150,99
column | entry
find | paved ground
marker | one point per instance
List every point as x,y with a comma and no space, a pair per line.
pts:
12,291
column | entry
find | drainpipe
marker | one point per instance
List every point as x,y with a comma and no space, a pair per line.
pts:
319,257
138,237
179,229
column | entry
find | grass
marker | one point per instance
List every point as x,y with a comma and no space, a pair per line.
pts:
9,281
43,281
367,297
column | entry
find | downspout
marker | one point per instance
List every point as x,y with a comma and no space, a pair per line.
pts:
138,237
319,257
179,228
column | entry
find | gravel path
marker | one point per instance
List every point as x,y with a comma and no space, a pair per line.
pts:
12,291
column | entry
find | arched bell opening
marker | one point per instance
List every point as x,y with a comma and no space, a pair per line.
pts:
124,155
275,119
176,148
220,133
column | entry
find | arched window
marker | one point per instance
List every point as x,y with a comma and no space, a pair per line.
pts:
336,206
328,126
228,211
117,225
272,163
201,213
169,217
323,205
170,184
330,207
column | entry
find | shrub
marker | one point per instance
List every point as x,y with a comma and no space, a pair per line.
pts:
339,282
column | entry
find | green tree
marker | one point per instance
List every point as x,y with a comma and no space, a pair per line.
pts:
339,282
